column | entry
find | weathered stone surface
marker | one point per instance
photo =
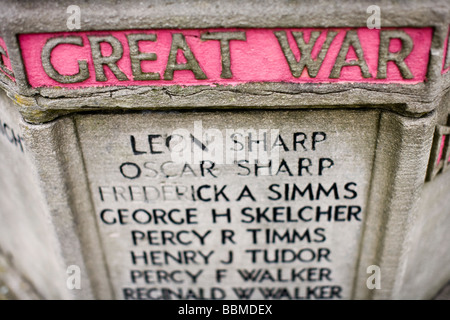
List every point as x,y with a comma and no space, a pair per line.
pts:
90,176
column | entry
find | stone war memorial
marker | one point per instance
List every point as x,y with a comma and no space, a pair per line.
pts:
225,150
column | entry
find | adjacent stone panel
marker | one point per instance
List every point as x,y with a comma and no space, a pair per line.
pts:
26,238
266,204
